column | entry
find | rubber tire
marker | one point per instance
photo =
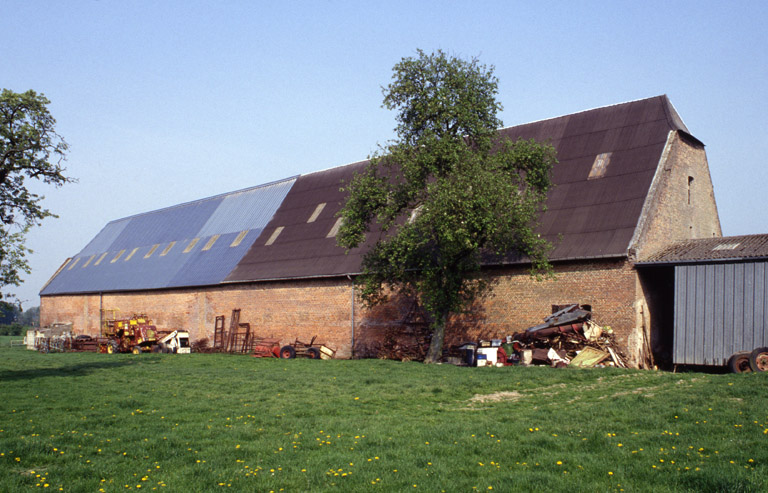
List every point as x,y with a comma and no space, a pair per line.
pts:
758,359
136,350
287,352
739,363
313,353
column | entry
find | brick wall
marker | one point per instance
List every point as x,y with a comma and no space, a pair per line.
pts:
517,302
287,310
682,203
303,309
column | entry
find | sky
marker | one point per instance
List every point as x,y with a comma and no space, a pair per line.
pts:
173,101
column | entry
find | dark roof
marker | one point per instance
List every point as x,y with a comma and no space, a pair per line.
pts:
588,218
304,248
712,249
585,218
192,244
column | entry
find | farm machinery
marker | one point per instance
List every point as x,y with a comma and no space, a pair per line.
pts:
138,335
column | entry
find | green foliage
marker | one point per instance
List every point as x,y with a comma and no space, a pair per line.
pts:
30,149
447,193
14,329
199,422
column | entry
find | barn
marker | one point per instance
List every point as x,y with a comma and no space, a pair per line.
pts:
631,180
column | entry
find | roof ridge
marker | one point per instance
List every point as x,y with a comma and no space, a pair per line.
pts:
584,111
204,199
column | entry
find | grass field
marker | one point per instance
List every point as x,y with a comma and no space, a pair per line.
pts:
91,422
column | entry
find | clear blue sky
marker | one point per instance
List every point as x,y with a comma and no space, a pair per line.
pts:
171,101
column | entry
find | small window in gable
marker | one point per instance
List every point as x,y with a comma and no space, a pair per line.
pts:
690,188
74,263
600,166
101,258
274,236
239,239
89,261
316,213
133,252
167,249
151,250
119,254
335,229
191,245
210,243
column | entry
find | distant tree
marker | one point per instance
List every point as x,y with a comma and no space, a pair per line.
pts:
30,149
30,317
446,192
9,313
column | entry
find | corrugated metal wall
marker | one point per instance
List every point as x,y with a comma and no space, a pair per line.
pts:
720,309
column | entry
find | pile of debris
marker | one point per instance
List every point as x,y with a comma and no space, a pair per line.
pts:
568,337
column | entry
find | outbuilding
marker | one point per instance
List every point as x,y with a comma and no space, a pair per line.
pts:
719,295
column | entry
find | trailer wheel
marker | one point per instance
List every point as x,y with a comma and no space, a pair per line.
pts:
758,359
313,353
739,363
287,352
136,350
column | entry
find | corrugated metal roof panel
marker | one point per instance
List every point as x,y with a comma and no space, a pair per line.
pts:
714,249
173,263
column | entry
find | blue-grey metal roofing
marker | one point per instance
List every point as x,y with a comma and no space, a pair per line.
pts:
720,309
119,259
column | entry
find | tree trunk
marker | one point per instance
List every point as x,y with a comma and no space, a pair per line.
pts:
435,352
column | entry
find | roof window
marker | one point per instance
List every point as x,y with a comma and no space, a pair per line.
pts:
274,236
600,166
167,249
210,243
119,254
133,252
239,239
101,258
335,229
727,246
72,266
317,212
191,245
89,261
151,250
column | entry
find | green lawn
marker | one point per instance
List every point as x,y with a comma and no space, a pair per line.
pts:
91,422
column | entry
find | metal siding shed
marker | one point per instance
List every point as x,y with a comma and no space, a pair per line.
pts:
721,296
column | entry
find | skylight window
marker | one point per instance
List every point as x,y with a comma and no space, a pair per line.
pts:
600,166
727,246
274,236
101,258
317,212
119,254
335,229
89,261
74,263
210,243
167,249
191,245
133,252
239,239
151,250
